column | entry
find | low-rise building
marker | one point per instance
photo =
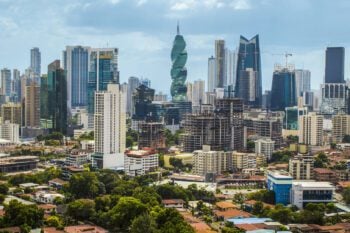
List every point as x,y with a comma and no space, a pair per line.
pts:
304,192
242,160
46,197
140,162
18,163
77,158
324,174
173,203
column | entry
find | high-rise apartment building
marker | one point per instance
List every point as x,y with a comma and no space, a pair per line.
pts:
283,91
249,57
198,92
341,127
6,82
9,131
11,112
110,127
211,73
35,61
311,129
76,64
302,81
265,147
301,167
189,93
220,68
207,161
334,70
32,106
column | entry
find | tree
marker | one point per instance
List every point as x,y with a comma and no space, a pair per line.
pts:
84,185
267,196
239,198
258,208
143,224
18,214
250,145
4,189
170,220
81,209
121,216
129,141
346,139
321,160
54,221
346,195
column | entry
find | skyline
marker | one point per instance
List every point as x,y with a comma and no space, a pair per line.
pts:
145,39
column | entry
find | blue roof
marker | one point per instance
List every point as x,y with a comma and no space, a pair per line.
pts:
248,220
261,231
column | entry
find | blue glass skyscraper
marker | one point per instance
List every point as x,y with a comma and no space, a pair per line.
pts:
249,58
103,70
76,64
283,91
334,71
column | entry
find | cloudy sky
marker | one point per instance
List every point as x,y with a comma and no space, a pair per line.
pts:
143,30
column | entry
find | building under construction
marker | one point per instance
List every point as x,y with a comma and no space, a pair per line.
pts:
151,135
221,129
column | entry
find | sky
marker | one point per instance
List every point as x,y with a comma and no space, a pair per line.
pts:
144,31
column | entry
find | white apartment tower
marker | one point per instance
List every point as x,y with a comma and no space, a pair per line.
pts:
311,129
110,127
211,73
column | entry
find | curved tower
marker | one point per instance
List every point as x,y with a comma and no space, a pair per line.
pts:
178,70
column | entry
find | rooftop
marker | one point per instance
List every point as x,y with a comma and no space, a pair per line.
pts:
249,220
312,184
280,175
323,171
225,205
233,213
140,153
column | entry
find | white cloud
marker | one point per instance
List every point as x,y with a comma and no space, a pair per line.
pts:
141,2
183,5
214,3
241,5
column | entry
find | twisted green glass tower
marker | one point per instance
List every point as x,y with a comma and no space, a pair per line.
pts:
178,70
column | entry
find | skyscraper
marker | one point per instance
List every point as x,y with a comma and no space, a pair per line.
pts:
57,97
110,127
248,80
32,105
178,69
249,57
76,64
16,85
334,71
102,71
198,92
133,83
35,61
211,73
302,81
311,129
6,82
231,64
283,89
146,82
220,64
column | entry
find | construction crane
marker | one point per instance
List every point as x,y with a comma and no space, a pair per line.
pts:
286,55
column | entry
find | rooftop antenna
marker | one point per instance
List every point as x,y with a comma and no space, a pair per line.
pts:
178,28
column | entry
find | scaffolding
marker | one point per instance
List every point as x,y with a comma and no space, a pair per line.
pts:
151,135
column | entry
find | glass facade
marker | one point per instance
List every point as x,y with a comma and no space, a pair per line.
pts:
103,70
178,70
249,58
144,109
283,92
54,98
335,58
